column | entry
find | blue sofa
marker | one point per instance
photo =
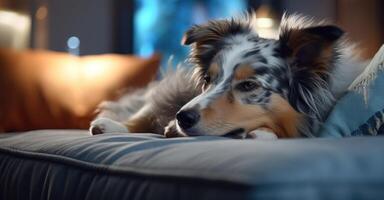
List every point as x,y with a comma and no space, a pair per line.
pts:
71,164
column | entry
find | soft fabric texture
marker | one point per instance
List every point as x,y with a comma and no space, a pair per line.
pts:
361,110
41,89
64,164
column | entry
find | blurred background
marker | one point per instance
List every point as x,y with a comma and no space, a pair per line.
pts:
143,27
54,71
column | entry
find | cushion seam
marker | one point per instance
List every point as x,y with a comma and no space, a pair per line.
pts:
109,169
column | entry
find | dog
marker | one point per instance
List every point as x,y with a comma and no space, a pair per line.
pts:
242,85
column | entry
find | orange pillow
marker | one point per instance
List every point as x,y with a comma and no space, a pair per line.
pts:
41,89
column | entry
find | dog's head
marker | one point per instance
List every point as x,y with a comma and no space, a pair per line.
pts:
251,82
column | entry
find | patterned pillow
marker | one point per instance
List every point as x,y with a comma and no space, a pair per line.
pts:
361,110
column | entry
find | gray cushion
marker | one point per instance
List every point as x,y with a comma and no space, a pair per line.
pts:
63,164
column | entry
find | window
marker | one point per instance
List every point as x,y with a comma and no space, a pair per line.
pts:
159,25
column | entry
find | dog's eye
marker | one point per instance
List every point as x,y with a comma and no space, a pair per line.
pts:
207,79
246,86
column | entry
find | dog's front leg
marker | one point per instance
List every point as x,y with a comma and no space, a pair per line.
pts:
105,125
262,134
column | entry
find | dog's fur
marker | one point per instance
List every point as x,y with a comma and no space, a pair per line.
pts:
243,84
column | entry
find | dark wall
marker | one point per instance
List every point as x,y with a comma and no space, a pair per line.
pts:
89,20
324,9
105,26
363,22
15,5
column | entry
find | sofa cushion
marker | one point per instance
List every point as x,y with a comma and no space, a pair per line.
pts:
43,89
63,164
361,110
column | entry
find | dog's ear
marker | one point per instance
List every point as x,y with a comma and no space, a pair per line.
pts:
195,33
215,31
311,53
208,39
308,47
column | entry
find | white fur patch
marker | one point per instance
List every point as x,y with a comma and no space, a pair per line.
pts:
105,125
262,135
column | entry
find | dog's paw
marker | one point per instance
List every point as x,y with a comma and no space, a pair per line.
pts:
171,131
262,134
105,125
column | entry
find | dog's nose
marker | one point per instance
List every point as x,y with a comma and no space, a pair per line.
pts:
187,118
